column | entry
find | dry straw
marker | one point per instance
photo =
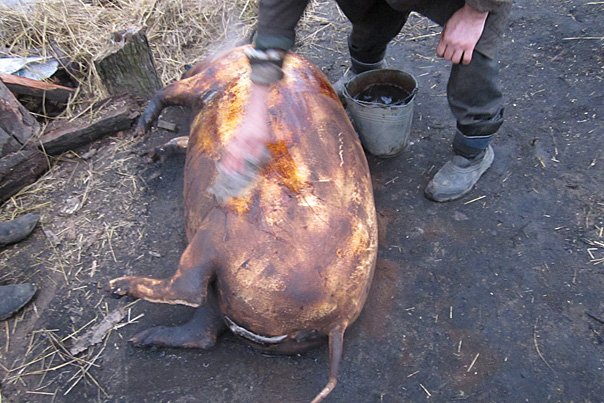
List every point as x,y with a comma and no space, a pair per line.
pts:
179,31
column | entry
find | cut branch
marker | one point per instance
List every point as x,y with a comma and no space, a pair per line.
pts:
111,116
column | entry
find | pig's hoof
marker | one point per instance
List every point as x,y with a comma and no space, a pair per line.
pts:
118,287
143,127
155,155
179,336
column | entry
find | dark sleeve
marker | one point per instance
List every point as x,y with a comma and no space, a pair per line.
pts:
487,5
277,21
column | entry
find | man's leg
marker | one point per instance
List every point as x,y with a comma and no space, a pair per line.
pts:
475,98
374,25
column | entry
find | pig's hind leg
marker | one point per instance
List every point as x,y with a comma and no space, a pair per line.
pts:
200,332
188,286
191,285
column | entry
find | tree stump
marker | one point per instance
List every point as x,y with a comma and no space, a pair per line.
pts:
17,125
129,66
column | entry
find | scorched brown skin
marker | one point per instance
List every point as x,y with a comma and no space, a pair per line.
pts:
295,253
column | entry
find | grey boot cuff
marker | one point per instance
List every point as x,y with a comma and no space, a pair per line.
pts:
360,67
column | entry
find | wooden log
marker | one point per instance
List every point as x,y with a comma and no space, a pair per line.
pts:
108,117
16,122
36,88
163,124
8,144
129,66
20,169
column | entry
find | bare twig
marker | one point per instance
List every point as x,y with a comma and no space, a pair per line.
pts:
601,321
537,347
578,38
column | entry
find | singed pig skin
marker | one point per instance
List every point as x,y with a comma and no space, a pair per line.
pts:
292,258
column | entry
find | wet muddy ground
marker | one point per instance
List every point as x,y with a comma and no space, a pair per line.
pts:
497,297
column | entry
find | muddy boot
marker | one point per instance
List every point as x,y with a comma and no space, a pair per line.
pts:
14,297
17,229
458,176
356,69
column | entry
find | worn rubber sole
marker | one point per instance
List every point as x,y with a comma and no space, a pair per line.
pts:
453,181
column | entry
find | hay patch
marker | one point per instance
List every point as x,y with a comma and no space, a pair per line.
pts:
179,32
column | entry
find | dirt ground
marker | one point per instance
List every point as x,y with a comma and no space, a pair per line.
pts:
497,297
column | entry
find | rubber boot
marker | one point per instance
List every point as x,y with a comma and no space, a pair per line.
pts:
14,297
17,229
458,176
356,68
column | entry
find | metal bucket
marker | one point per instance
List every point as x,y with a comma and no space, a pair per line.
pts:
383,122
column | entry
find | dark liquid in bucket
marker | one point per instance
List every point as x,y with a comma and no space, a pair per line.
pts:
386,94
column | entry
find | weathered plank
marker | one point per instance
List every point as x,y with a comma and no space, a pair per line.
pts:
109,117
8,144
40,89
17,125
20,169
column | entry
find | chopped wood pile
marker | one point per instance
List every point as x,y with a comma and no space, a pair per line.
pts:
128,74
108,59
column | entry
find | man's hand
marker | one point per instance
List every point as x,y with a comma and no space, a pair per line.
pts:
460,35
253,134
246,153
